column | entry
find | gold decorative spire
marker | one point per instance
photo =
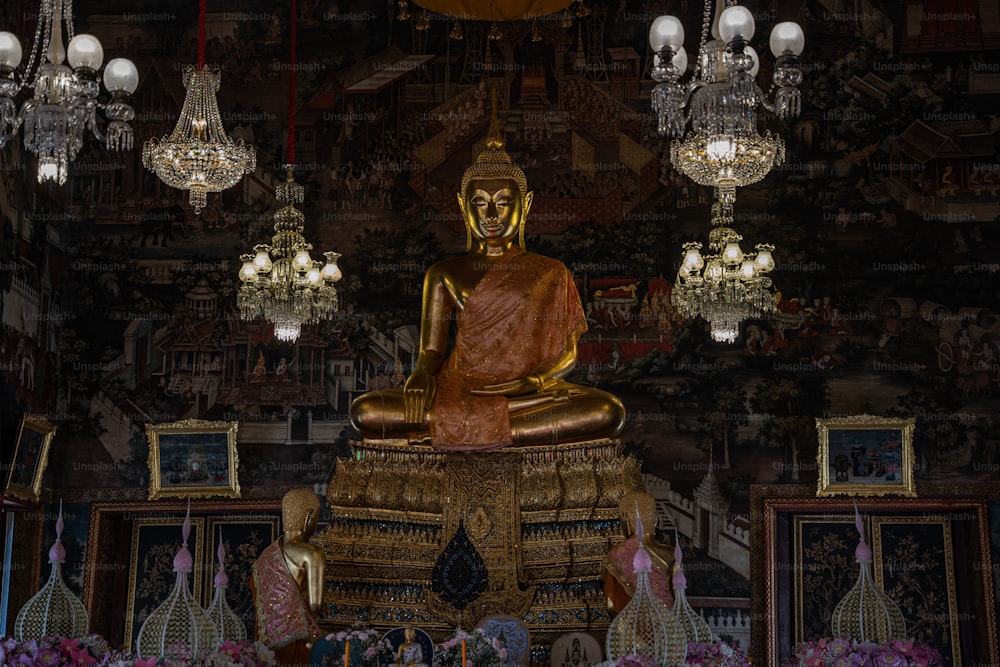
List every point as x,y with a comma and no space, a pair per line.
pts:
494,162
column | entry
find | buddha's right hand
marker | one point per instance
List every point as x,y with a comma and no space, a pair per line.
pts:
418,394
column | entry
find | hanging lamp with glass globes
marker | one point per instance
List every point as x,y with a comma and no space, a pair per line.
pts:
282,283
721,100
726,286
63,105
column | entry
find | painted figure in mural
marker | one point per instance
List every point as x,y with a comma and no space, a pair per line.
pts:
619,577
409,653
518,319
287,582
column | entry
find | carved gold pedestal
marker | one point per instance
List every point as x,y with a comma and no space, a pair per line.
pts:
440,540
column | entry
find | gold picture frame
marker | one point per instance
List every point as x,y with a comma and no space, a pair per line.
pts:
31,455
865,455
193,458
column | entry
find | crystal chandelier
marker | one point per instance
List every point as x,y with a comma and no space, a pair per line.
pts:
198,155
723,147
63,106
282,282
726,286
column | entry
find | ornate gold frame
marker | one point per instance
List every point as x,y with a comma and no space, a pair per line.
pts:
160,435
38,426
828,487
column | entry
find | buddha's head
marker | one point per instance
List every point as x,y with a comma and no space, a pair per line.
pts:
641,505
409,634
494,198
300,511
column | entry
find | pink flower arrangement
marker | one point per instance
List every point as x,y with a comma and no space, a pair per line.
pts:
632,660
716,653
366,643
94,651
479,651
846,652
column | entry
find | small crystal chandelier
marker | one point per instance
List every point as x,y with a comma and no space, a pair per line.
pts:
291,289
723,148
281,281
63,106
727,286
198,155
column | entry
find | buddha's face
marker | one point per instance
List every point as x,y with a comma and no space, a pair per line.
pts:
494,208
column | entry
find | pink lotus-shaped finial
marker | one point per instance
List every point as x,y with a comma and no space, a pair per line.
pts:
57,553
863,553
183,561
679,580
221,578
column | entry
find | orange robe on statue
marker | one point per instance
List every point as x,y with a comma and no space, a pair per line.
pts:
520,318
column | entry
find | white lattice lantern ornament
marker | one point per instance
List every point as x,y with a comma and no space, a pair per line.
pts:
179,627
694,626
53,611
646,626
867,614
227,623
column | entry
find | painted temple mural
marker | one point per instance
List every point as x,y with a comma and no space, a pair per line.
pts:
119,302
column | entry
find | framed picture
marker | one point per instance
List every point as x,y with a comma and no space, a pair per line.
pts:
193,459
31,454
155,542
930,555
865,456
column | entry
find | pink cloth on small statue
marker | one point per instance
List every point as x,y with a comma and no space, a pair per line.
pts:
619,564
282,615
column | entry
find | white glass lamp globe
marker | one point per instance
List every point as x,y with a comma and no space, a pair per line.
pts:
666,31
765,262
10,50
302,260
732,254
121,74
85,51
262,261
736,21
752,52
331,272
747,270
787,39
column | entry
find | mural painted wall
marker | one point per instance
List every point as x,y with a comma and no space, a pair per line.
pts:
118,300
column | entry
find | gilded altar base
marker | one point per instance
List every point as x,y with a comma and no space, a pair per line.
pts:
439,540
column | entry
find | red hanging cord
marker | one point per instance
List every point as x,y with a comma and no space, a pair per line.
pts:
291,89
201,35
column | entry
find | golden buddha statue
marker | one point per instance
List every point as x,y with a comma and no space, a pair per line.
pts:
518,319
410,653
619,580
287,582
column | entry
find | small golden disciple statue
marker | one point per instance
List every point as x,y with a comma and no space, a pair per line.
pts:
518,319
620,578
287,582
409,653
